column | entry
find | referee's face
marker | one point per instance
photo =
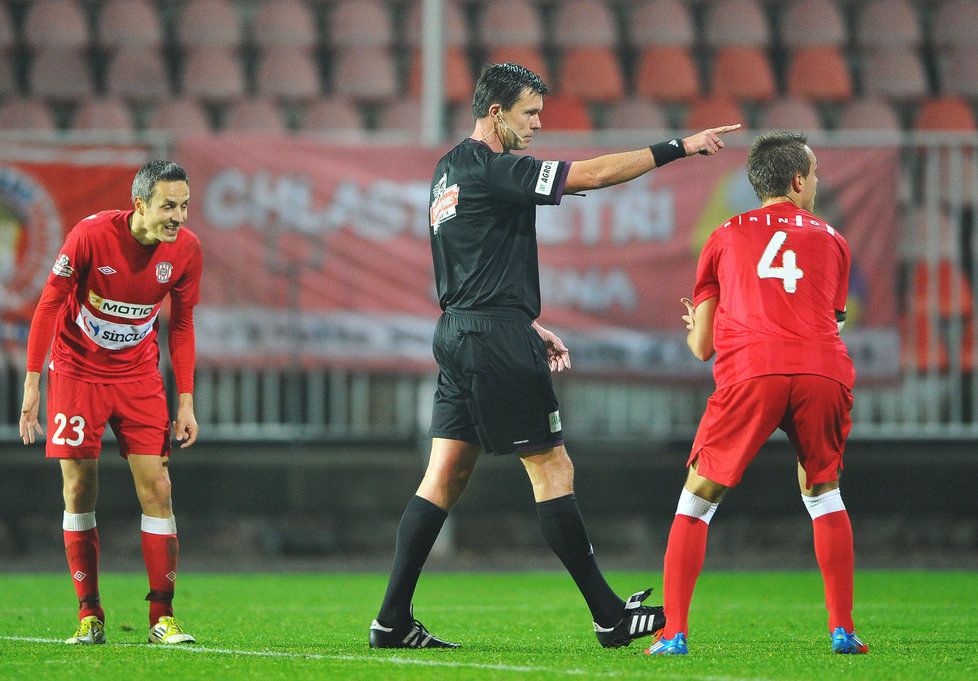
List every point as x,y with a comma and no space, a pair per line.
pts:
523,119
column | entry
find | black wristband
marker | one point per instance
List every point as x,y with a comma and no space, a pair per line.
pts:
663,152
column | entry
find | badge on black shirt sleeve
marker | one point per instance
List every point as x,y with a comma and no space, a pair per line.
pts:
444,200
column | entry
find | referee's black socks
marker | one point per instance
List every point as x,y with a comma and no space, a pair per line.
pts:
416,534
563,528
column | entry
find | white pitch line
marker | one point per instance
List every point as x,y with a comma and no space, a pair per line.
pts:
405,661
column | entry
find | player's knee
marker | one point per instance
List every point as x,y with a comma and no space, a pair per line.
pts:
78,490
156,492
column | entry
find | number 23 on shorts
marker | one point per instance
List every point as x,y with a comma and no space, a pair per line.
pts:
69,430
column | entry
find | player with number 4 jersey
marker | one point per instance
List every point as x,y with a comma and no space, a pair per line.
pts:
101,307
770,301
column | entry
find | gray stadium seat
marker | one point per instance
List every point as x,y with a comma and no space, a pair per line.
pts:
102,114
360,23
180,117
133,71
25,114
660,23
455,28
255,115
505,23
869,114
210,23
60,75
887,24
213,74
129,23
813,22
55,24
288,73
737,22
580,23
896,74
285,23
790,114
365,74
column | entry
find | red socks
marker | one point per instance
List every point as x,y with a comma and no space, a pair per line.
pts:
160,552
684,560
81,550
833,549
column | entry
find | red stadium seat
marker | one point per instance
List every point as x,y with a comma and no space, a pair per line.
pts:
592,74
213,74
667,74
458,82
129,24
180,117
896,74
133,70
709,112
959,73
945,113
55,24
285,23
60,75
661,23
791,114
25,114
333,114
365,74
528,57
565,113
505,23
888,24
454,27
813,22
955,24
820,74
255,115
210,23
360,23
579,23
869,114
635,114
102,114
288,73
743,73
737,22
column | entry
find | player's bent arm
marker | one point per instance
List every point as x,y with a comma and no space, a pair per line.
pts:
700,337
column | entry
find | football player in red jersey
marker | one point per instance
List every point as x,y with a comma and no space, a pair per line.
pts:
770,300
100,306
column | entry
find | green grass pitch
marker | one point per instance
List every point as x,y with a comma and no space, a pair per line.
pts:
747,626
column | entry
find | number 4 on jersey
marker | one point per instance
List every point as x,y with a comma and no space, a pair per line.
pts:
788,273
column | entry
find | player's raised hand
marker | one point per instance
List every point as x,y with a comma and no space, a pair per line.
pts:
558,356
707,142
185,427
690,310
30,428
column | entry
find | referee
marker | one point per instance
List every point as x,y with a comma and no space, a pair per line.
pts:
494,389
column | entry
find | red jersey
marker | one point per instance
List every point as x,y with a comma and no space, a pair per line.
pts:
780,273
106,329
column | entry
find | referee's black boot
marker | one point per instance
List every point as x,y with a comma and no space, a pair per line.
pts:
638,621
411,634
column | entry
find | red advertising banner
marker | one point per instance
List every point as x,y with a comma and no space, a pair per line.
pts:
319,254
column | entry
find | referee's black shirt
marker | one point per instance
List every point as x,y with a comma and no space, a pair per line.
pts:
483,226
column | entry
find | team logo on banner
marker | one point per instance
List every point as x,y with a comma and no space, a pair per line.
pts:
30,236
163,272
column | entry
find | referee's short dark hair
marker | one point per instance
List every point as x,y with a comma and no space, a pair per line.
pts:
157,170
774,159
504,83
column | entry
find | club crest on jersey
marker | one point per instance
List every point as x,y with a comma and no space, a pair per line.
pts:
444,200
163,272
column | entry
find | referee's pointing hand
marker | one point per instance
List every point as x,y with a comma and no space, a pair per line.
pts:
708,142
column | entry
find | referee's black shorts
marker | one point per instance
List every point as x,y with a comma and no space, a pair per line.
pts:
494,385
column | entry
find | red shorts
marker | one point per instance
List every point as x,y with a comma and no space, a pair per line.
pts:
78,412
813,410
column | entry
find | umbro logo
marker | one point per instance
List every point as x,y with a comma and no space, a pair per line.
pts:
79,576
105,269
172,576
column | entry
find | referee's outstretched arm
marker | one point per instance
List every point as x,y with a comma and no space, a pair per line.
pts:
612,169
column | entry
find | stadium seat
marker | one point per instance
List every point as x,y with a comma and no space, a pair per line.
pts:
709,112
255,115
578,23
635,114
737,22
743,73
454,28
660,23
667,74
790,114
180,117
869,114
333,114
565,113
404,115
136,74
102,114
945,113
365,74
527,56
288,73
8,39
812,22
959,72
457,77
210,23
820,74
955,24
592,74
284,23
896,74
129,24
60,75
25,114
8,83
55,25
213,74
887,24
511,22
360,23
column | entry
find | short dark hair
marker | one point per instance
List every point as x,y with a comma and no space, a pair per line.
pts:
504,83
155,171
774,159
